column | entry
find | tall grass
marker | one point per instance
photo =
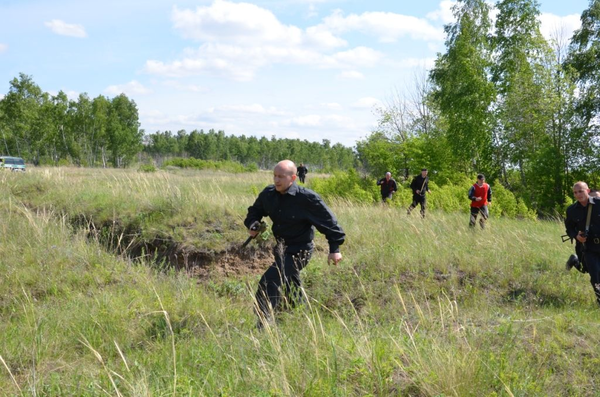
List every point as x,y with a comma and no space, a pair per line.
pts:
417,307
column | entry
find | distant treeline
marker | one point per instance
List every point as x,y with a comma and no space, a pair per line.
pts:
263,152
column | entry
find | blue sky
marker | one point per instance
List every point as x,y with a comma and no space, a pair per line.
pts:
308,69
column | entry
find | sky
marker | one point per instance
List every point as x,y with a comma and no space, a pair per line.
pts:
305,69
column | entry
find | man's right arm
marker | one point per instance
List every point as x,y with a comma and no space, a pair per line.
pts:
256,211
472,193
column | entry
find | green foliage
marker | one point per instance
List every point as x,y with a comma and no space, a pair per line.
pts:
251,151
47,129
462,89
346,185
147,168
226,166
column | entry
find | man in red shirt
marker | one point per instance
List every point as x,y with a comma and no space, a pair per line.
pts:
480,195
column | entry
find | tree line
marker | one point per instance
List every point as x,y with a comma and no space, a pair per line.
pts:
501,100
265,153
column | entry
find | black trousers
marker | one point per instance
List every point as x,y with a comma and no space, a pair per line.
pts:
281,283
301,177
418,199
592,261
483,211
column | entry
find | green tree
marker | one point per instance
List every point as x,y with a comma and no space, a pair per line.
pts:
124,135
584,58
21,108
461,89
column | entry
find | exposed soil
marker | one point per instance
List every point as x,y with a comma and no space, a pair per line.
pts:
167,253
204,264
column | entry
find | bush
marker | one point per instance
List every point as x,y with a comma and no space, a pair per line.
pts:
147,168
448,198
348,185
223,165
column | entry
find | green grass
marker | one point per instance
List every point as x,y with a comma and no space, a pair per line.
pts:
415,308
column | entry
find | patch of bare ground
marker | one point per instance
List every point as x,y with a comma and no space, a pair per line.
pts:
205,264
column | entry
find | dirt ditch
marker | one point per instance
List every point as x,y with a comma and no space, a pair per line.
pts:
165,253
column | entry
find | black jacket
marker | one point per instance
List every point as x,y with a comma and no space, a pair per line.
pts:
420,183
302,170
387,187
295,214
576,220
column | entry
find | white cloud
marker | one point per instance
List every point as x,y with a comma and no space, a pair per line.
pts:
556,27
131,88
331,106
312,120
419,63
367,103
3,47
351,75
66,29
387,26
242,63
184,87
241,38
254,108
443,13
246,24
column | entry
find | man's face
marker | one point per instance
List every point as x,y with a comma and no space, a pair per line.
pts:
480,181
423,174
283,179
388,176
581,193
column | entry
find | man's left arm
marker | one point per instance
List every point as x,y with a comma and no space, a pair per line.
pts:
489,194
321,217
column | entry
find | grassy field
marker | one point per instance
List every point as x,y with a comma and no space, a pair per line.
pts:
422,308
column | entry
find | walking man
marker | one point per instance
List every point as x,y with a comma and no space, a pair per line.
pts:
480,195
419,187
577,260
302,171
583,225
295,212
388,187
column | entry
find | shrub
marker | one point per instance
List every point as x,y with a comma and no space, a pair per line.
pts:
147,168
348,185
223,165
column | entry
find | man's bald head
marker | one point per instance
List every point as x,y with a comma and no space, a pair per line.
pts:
286,167
580,185
284,175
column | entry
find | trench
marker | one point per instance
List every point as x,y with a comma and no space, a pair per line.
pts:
165,253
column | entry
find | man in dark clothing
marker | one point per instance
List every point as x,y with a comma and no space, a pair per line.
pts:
480,195
419,187
388,187
295,212
583,224
577,260
302,171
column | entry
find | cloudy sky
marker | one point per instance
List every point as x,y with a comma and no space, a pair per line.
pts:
308,69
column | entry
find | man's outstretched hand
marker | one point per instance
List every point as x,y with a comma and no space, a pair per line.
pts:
334,258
